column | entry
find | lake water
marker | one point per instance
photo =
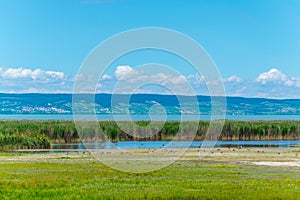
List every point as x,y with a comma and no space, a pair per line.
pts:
146,117
177,144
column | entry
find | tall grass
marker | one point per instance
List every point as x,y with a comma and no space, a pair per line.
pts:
24,141
65,131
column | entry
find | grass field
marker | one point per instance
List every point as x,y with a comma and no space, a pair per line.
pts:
222,174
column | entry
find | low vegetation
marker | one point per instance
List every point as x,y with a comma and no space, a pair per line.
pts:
75,176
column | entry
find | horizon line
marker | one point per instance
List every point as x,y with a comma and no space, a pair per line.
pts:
198,95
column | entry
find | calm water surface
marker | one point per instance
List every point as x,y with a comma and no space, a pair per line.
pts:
146,117
177,144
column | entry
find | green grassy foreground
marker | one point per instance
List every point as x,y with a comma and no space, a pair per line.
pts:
220,175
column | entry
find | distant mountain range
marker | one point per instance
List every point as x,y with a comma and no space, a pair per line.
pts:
139,104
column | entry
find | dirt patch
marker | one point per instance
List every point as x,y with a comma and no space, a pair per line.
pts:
279,164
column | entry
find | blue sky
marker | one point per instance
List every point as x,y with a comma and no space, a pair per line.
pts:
255,43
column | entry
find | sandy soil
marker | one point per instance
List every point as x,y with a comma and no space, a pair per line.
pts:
280,164
273,157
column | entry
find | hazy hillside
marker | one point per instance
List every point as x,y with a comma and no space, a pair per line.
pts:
140,104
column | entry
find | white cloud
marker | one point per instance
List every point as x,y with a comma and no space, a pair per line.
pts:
17,73
274,75
275,84
179,80
56,75
27,80
270,84
196,79
130,75
295,82
122,71
105,77
233,78
130,79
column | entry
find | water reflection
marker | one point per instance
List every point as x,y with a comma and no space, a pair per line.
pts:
177,144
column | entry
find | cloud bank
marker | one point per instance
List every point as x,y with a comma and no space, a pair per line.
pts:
37,74
270,84
23,80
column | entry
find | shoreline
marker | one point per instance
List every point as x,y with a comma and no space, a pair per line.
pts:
134,117
274,157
